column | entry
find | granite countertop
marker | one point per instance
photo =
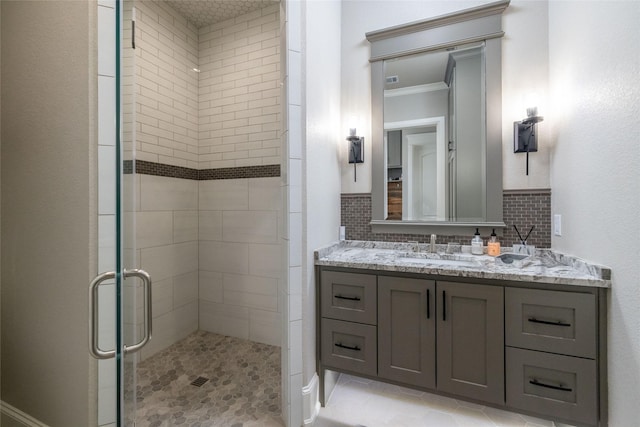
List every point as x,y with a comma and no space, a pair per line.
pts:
546,266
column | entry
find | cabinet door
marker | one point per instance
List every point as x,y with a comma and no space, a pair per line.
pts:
406,330
470,333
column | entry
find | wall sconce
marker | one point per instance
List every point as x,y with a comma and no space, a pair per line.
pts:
356,150
525,137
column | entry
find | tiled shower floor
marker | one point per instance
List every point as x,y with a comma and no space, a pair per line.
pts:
243,387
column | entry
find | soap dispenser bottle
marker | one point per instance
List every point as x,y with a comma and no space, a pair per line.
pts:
476,243
493,247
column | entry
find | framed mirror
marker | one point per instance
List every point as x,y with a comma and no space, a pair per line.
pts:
436,122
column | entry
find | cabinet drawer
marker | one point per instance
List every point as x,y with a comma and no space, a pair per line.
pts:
557,322
350,346
552,385
349,296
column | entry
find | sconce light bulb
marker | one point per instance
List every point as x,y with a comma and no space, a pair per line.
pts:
532,111
352,131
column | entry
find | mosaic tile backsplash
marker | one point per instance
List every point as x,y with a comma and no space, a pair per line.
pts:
524,208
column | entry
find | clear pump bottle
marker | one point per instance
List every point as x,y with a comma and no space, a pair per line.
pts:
476,243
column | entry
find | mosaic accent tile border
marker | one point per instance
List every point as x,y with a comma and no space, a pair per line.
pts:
262,171
524,208
160,169
170,171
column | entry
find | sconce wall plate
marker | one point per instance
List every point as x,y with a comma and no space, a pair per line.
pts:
356,149
525,137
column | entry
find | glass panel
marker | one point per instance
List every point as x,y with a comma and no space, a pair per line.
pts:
130,290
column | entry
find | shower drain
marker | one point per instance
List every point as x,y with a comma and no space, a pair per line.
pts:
198,382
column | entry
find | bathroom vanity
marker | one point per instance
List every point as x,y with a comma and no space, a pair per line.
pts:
526,335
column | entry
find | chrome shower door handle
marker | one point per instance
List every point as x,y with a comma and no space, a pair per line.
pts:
148,317
94,347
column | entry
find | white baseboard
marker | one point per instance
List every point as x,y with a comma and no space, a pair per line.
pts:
310,401
15,414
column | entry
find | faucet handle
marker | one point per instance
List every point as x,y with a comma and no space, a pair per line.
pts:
432,243
416,246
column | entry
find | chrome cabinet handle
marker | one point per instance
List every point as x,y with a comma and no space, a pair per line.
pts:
94,346
148,318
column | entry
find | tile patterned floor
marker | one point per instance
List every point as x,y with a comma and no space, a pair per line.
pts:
243,387
358,402
243,390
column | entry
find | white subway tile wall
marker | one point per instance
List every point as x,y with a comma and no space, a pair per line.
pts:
239,96
166,86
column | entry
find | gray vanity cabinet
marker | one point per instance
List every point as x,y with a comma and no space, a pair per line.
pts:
470,340
519,346
551,353
407,330
348,323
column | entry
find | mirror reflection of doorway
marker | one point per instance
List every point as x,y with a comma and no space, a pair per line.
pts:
425,190
421,167
419,191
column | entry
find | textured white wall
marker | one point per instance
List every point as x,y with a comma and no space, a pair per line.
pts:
323,134
595,174
524,68
49,215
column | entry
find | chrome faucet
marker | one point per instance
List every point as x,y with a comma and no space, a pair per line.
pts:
432,244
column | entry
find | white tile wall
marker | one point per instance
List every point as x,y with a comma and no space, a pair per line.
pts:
106,205
240,91
293,233
167,86
160,193
167,245
226,194
240,258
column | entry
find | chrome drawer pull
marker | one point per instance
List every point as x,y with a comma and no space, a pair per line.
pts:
347,298
546,322
551,386
348,347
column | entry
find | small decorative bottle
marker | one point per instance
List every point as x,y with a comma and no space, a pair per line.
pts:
493,247
476,243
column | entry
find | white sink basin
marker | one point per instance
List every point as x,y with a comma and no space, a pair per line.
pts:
436,262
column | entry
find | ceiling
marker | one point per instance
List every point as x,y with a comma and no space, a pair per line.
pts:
206,12
414,70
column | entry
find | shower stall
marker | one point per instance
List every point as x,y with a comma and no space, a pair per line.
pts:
197,204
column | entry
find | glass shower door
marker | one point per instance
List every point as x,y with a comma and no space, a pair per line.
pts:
135,287
121,296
